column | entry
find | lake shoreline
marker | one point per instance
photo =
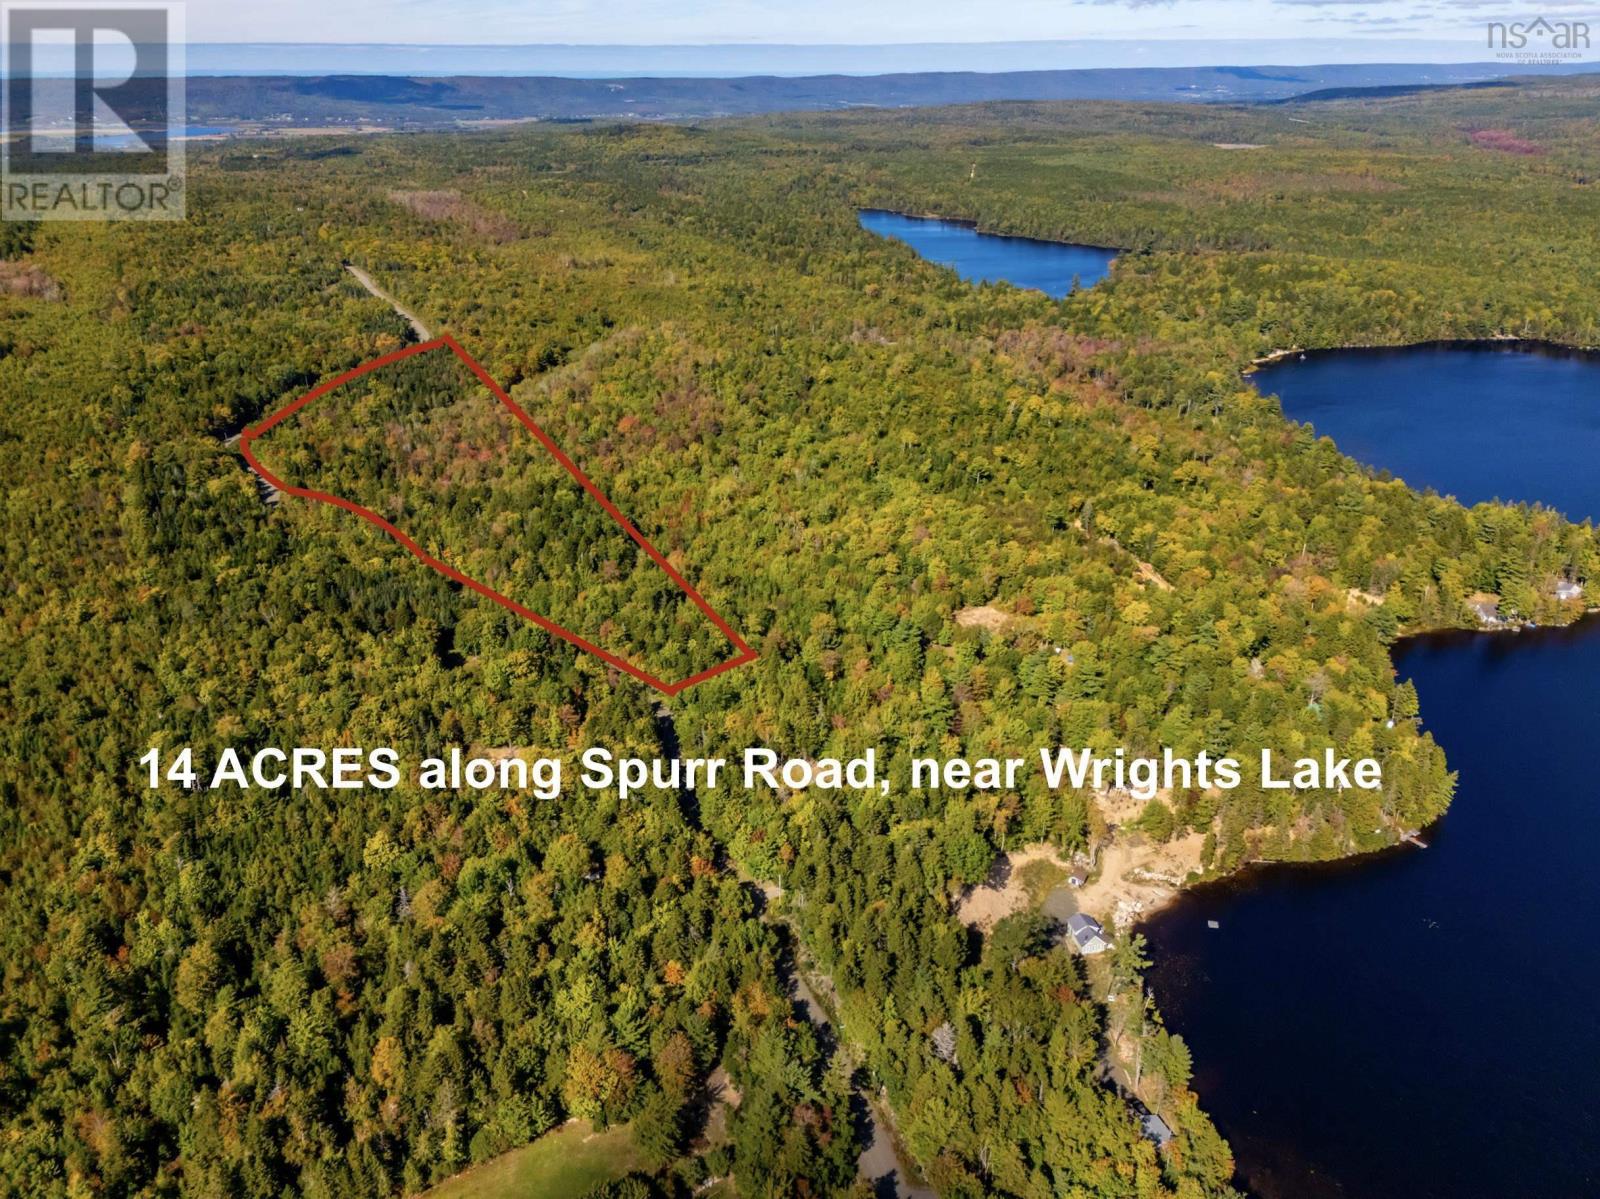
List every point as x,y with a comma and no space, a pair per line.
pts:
1508,342
1428,921
1343,964
976,227
1360,856
1397,922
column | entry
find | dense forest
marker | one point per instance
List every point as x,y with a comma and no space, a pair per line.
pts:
424,445
360,993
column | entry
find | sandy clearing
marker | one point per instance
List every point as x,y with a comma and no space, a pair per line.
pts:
985,617
983,906
1143,571
1138,876
1132,875
1149,574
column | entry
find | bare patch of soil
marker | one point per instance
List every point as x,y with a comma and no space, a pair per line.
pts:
456,209
1504,141
985,617
26,279
984,906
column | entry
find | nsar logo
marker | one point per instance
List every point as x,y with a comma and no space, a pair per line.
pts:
1539,40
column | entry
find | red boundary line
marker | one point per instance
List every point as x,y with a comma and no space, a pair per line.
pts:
746,654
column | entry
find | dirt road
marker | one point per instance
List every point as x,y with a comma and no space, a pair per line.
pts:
879,1164
412,318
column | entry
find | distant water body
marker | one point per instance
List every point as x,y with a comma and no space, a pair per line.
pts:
123,141
1339,61
1047,266
1512,421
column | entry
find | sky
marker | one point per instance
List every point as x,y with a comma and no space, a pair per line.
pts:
1445,23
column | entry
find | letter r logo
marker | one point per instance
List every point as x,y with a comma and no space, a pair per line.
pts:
92,98
86,80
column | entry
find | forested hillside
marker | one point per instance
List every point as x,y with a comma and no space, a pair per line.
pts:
363,992
447,101
421,444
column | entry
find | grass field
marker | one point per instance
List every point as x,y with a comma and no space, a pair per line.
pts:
560,1165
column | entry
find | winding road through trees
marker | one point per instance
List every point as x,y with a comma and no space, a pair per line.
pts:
371,285
880,1163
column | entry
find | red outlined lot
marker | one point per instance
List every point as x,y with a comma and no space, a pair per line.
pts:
745,654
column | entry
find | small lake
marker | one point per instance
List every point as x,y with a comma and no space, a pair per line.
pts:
1047,266
1513,421
126,141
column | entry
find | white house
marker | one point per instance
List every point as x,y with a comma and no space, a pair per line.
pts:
1087,933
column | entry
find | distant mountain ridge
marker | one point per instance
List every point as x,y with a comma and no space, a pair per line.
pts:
439,101
729,60
1388,91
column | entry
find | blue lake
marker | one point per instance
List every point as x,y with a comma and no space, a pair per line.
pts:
1047,266
1418,1024
1480,422
124,141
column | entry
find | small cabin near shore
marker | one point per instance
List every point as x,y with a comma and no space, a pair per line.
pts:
1155,1129
1485,607
1088,935
1567,590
